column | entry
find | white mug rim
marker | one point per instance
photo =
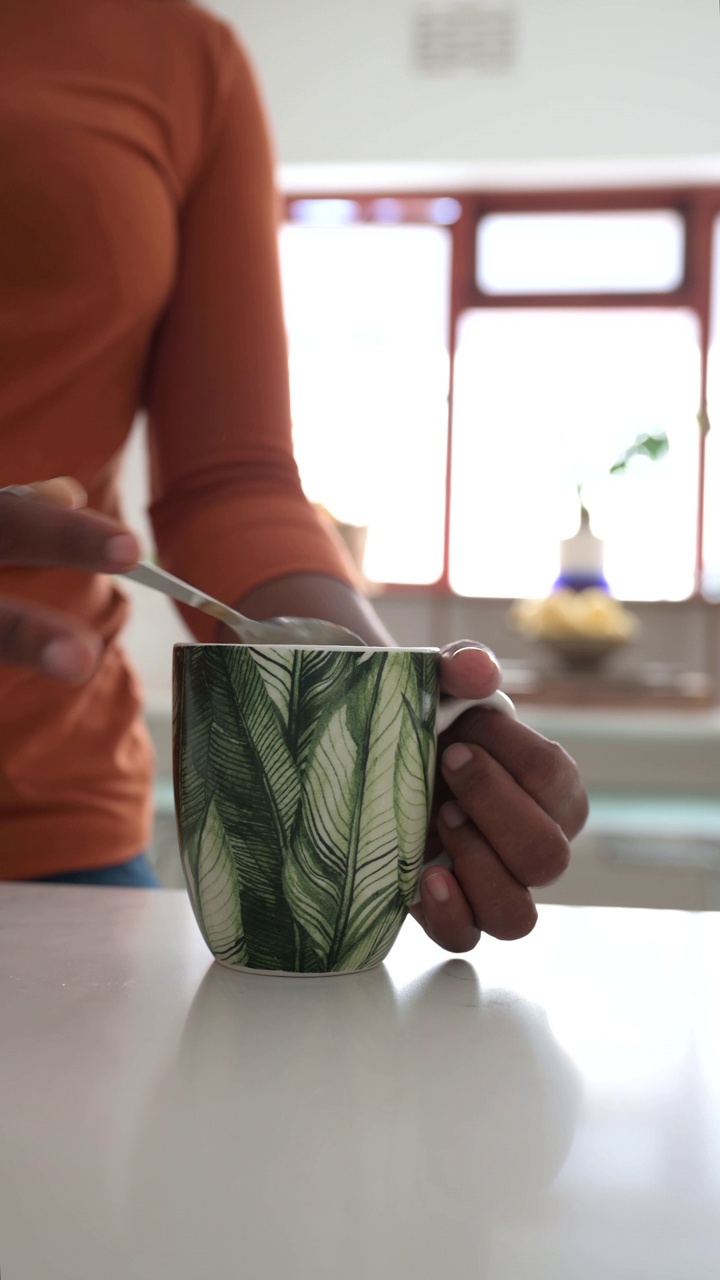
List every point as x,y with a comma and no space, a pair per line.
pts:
324,648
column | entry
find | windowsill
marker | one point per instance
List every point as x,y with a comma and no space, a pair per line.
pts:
614,724
647,814
511,175
379,591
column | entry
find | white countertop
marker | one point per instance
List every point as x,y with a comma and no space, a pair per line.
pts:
541,1110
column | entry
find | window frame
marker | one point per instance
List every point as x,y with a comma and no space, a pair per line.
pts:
697,206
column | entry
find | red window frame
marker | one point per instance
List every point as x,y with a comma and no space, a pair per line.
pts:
697,205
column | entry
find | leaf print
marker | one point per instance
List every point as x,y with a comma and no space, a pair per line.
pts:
276,666
302,684
302,779
373,946
218,893
242,710
191,735
414,763
427,671
319,863
341,876
375,886
364,655
256,793
310,961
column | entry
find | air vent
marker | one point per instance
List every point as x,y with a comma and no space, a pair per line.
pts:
463,38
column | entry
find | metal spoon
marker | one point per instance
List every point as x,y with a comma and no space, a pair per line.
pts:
269,631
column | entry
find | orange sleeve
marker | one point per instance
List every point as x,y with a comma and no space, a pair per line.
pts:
228,511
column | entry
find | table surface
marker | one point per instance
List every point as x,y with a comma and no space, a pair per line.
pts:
541,1110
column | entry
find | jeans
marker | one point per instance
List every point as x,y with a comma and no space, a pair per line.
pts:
136,873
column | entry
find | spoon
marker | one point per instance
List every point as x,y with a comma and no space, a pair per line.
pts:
269,631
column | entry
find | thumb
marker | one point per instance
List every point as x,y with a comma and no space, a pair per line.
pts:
468,669
63,491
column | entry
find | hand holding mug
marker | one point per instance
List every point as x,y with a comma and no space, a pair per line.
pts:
303,784
507,802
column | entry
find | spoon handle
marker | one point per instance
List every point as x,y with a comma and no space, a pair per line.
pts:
151,575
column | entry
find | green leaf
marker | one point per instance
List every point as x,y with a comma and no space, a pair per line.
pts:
218,893
652,447
310,961
414,767
645,445
256,791
302,684
371,947
341,877
427,673
192,723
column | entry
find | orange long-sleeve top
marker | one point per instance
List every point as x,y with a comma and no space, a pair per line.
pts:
138,271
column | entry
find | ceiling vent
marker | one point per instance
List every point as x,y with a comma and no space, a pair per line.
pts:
463,38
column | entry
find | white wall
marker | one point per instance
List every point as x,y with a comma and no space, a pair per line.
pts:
593,78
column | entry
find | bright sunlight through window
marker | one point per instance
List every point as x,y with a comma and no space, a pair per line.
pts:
546,399
366,310
711,538
580,252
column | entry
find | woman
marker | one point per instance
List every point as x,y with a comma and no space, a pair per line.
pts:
139,272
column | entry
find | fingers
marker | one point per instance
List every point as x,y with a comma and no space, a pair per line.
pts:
530,843
500,903
46,642
542,769
45,529
507,802
42,525
478,896
444,912
64,491
468,670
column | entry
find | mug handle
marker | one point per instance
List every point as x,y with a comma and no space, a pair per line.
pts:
450,708
448,711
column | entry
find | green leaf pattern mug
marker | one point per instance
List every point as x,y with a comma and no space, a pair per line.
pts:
303,785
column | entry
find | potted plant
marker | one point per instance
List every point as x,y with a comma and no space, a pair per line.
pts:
579,622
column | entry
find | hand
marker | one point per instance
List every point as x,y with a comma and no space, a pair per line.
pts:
507,802
41,525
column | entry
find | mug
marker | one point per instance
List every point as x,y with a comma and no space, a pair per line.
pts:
303,779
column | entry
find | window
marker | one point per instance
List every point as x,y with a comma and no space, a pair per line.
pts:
563,393
711,520
367,317
580,252
463,364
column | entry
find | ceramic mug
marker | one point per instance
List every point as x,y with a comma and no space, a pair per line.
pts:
303,785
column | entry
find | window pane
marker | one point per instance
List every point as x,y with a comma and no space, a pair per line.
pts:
366,310
324,213
580,252
711,530
547,400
